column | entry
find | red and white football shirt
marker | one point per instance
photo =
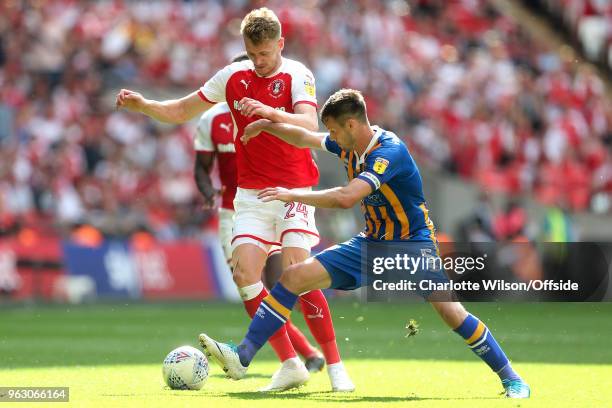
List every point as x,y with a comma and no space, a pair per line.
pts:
266,161
215,133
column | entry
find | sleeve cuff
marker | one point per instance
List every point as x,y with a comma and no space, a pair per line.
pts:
306,102
323,144
203,97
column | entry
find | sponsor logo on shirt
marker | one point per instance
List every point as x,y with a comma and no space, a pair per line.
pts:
376,199
380,165
238,107
309,88
226,148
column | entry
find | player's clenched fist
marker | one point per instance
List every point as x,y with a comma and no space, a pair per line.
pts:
131,100
253,129
275,193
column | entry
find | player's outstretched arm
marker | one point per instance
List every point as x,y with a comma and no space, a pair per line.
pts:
304,115
295,135
337,197
169,111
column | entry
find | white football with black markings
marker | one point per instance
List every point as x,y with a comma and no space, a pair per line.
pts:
185,368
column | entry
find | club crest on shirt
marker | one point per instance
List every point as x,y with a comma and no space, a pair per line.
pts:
380,165
276,88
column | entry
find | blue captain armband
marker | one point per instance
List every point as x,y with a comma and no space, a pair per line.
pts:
371,179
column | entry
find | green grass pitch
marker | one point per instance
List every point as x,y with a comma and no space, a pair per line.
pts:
110,355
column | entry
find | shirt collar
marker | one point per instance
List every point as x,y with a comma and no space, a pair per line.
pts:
377,133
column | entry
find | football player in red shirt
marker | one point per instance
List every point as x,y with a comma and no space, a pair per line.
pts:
281,90
214,139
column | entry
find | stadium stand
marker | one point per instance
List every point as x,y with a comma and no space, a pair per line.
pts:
454,78
589,23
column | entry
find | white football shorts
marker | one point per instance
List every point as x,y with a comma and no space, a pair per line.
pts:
226,231
275,223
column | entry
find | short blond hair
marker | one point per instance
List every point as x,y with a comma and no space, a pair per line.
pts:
261,25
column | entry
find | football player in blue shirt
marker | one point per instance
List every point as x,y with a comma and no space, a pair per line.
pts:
385,179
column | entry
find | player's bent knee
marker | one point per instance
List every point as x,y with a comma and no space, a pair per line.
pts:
248,263
244,275
294,278
292,256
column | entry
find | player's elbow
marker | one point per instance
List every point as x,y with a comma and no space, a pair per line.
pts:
345,201
345,205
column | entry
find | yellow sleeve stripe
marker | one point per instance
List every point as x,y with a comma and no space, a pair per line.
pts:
277,307
350,168
398,209
477,333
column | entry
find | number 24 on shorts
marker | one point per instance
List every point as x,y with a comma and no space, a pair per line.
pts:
296,208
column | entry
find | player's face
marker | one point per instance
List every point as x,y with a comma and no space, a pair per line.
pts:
266,56
340,134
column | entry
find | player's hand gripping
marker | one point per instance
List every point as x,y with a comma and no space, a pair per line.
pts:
275,193
251,107
253,129
130,100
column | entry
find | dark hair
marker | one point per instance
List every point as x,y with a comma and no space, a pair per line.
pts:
261,25
240,57
344,104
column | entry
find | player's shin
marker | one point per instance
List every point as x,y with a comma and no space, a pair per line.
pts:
483,344
252,296
318,317
271,315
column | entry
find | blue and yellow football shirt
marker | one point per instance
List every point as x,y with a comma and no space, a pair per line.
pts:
396,208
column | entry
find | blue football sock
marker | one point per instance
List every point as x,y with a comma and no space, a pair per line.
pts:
483,344
246,352
272,313
507,373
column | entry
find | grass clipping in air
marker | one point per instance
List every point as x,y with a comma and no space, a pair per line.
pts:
412,327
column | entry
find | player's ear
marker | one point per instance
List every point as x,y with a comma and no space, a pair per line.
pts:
350,123
281,43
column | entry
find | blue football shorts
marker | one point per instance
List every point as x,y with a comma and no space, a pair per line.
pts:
346,263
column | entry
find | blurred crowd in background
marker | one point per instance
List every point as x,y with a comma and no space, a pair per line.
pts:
469,89
589,23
